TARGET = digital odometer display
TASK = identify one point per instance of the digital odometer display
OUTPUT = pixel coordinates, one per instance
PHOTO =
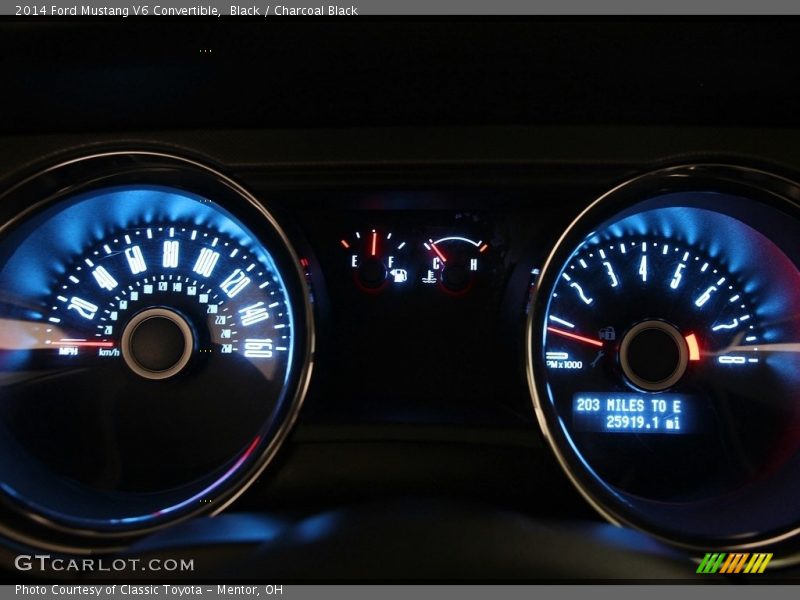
(621, 413)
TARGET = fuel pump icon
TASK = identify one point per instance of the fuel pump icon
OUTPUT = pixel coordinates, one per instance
(399, 275)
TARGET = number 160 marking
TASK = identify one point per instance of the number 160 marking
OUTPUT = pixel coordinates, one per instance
(258, 348)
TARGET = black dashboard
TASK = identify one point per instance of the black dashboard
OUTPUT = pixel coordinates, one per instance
(401, 300)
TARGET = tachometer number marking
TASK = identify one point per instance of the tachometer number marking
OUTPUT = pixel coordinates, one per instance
(677, 276)
(577, 288)
(581, 294)
(611, 274)
(732, 325)
(705, 296)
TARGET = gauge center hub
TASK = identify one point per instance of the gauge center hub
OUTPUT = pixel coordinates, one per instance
(653, 355)
(157, 343)
(455, 277)
(372, 273)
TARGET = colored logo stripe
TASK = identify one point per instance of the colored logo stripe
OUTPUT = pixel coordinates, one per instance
(711, 563)
(734, 563)
(758, 563)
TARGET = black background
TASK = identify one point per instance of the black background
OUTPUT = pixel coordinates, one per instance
(527, 120)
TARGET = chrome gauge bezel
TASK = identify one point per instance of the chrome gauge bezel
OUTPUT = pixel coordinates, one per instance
(759, 186)
(46, 188)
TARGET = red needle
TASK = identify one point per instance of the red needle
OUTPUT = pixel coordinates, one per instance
(694, 347)
(374, 243)
(574, 336)
(438, 252)
(84, 344)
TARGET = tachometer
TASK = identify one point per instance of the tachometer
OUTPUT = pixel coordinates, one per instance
(650, 315)
(155, 347)
(664, 355)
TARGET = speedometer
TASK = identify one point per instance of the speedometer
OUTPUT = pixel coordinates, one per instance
(155, 296)
(155, 348)
(664, 354)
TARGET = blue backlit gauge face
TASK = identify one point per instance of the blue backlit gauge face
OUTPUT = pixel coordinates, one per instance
(204, 291)
(654, 345)
(668, 367)
(650, 315)
(151, 349)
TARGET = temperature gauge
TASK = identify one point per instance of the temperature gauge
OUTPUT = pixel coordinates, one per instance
(454, 262)
(376, 259)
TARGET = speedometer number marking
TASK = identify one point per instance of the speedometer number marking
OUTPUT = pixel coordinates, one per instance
(104, 279)
(255, 313)
(235, 283)
(85, 309)
(258, 348)
(170, 254)
(135, 259)
(206, 262)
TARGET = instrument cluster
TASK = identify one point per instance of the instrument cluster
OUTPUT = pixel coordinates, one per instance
(164, 327)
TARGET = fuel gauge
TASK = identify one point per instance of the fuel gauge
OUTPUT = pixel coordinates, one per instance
(376, 259)
(454, 262)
